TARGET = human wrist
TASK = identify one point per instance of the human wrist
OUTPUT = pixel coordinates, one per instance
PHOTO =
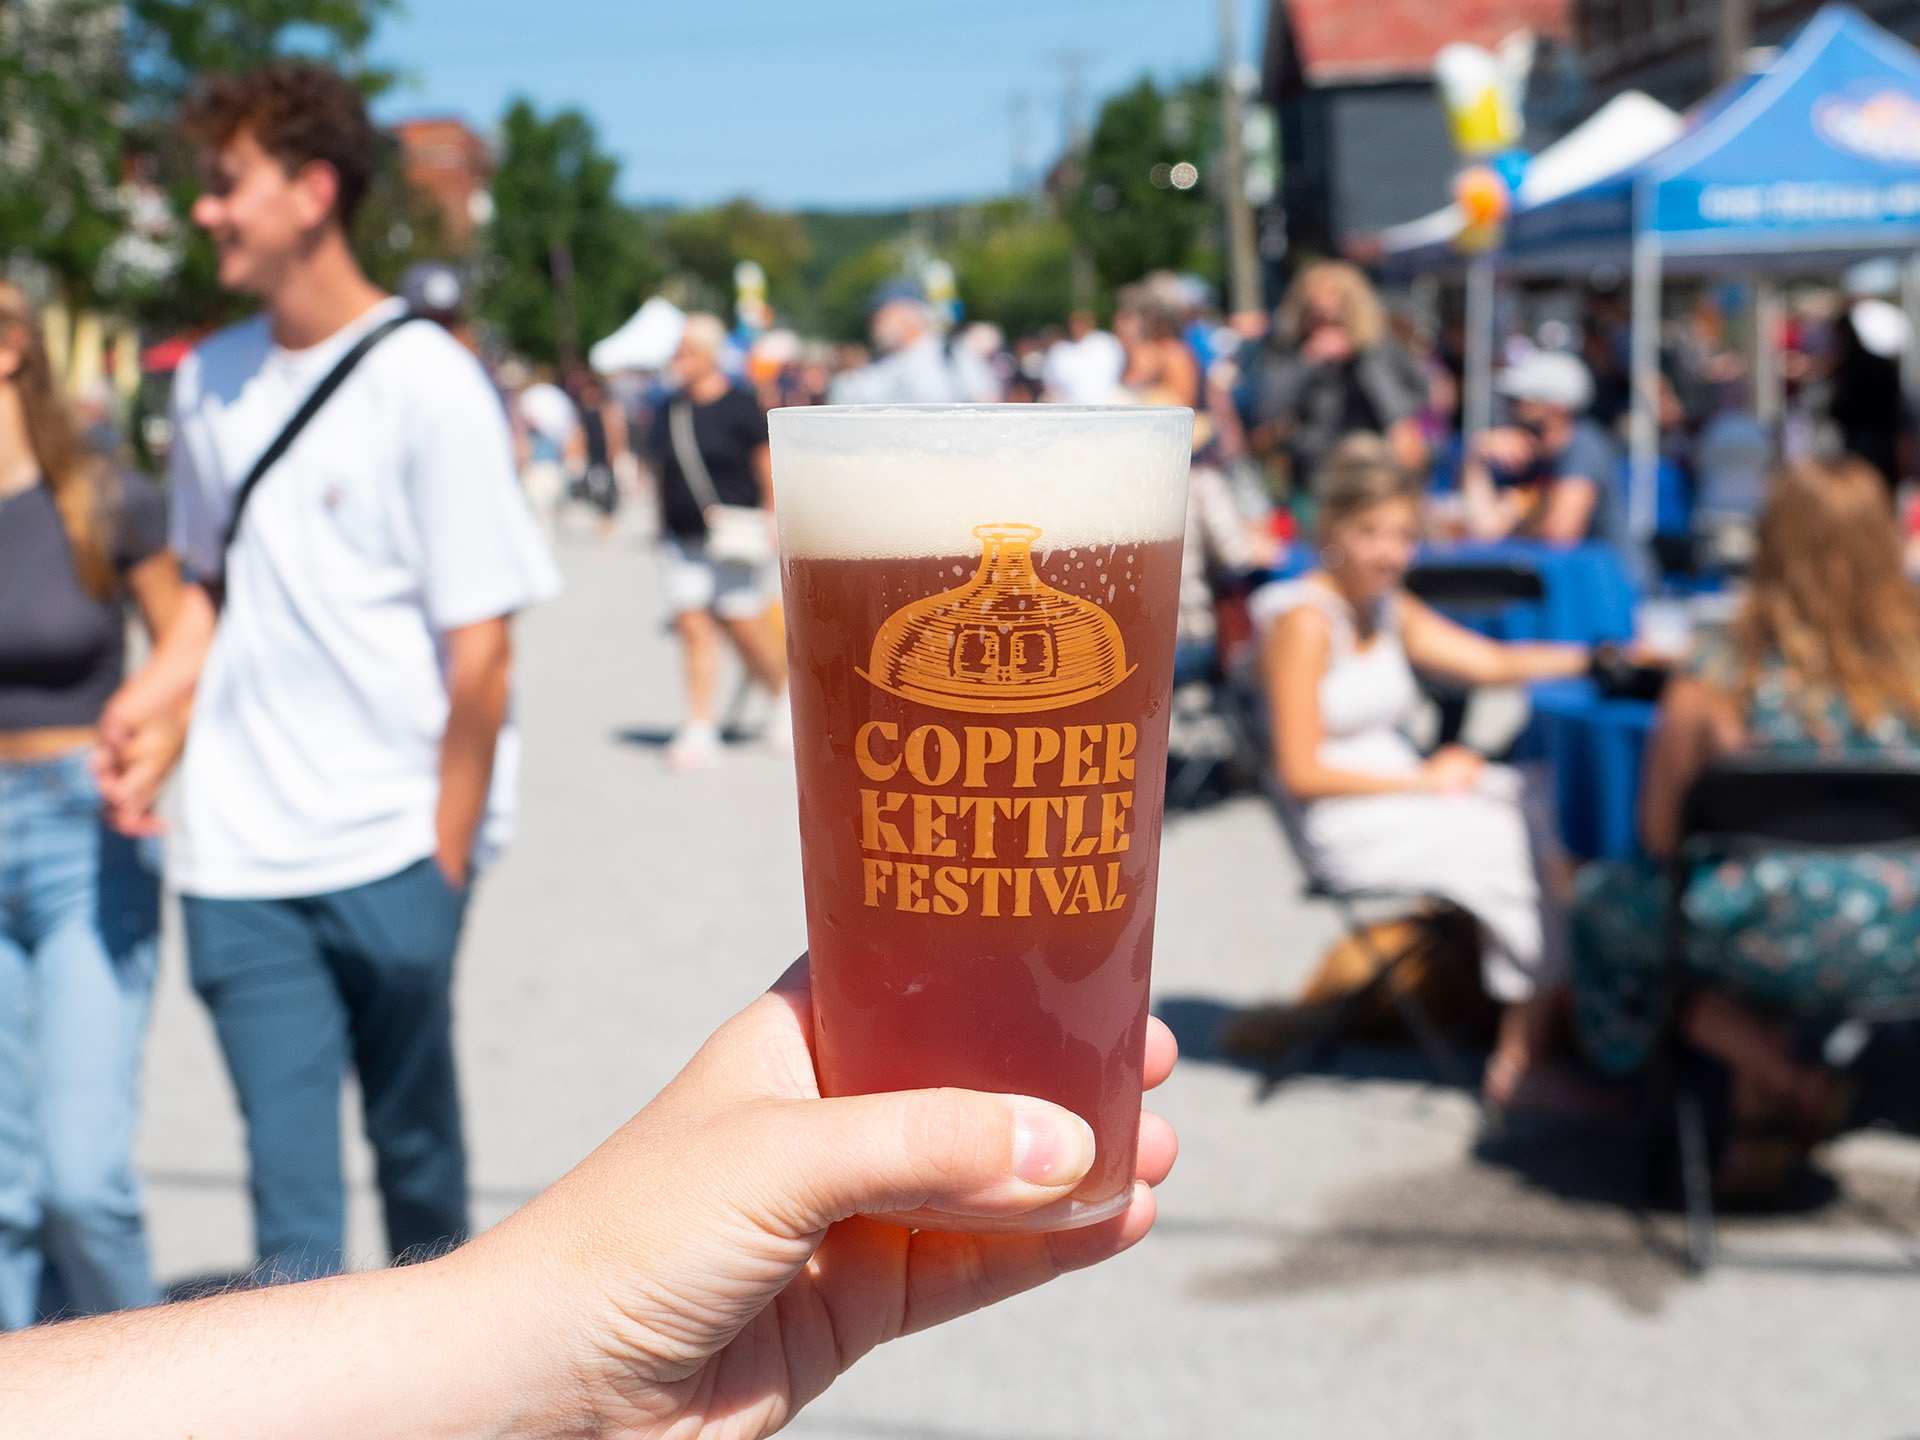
(517, 1330)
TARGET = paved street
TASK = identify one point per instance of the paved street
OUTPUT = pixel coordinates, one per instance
(1332, 1260)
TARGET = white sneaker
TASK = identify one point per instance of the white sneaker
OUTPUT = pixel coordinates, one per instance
(777, 733)
(695, 746)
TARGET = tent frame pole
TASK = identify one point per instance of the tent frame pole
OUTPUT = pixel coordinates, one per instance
(1767, 385)
(1643, 509)
(1910, 302)
(1479, 397)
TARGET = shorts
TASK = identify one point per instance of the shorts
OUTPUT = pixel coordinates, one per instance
(693, 580)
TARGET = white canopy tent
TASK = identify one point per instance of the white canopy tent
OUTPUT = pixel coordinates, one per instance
(646, 342)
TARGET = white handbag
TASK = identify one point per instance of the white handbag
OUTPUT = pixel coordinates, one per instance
(742, 534)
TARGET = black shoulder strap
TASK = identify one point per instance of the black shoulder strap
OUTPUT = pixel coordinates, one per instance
(309, 408)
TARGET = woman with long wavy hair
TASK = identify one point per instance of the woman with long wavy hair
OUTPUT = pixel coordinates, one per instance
(1822, 659)
(1333, 369)
(79, 902)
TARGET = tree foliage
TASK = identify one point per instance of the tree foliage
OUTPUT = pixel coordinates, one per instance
(173, 42)
(841, 301)
(1125, 210)
(1017, 271)
(569, 263)
(701, 247)
(62, 86)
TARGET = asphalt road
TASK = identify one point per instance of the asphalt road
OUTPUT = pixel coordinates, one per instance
(1335, 1258)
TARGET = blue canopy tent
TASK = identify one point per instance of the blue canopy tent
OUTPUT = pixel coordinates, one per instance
(1628, 128)
(1810, 164)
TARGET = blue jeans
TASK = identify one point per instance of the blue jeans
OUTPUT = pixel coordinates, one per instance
(79, 916)
(299, 991)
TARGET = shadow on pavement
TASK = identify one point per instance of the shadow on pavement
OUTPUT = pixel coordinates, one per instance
(1558, 1208)
(1555, 1196)
(656, 739)
(829, 1427)
(1198, 1022)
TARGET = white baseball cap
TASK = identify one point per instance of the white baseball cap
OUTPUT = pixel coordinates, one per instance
(1548, 377)
(1883, 328)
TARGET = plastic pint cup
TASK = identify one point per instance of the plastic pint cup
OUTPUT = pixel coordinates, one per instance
(980, 606)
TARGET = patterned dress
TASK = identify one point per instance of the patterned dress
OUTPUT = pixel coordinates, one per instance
(1797, 935)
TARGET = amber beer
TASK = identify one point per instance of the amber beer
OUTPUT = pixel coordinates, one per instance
(980, 608)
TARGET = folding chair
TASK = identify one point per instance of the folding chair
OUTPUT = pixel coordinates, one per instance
(1346, 901)
(1748, 806)
(1188, 773)
(1469, 592)
(1225, 707)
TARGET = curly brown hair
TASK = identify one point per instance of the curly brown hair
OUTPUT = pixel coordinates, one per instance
(299, 112)
(1827, 598)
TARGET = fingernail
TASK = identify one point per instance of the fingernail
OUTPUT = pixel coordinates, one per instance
(1051, 1146)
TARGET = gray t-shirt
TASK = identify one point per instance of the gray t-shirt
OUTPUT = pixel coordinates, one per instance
(62, 648)
(1590, 454)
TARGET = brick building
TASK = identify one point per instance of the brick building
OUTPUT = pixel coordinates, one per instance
(445, 158)
(1364, 139)
(1668, 47)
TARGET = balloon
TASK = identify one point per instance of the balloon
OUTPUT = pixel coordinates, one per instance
(1512, 167)
(1481, 92)
(1482, 196)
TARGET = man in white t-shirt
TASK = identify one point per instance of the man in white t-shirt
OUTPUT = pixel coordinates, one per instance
(350, 759)
(1085, 368)
(555, 446)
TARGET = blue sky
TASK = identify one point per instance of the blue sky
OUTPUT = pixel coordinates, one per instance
(837, 103)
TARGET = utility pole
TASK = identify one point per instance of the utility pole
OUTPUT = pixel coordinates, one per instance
(1243, 260)
(1733, 37)
(1072, 65)
(1019, 105)
(1073, 127)
(566, 320)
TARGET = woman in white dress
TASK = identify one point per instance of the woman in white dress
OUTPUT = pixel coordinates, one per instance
(1341, 647)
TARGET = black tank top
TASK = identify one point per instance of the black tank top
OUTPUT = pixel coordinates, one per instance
(594, 424)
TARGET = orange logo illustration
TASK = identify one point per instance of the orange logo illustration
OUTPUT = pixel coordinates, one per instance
(1004, 643)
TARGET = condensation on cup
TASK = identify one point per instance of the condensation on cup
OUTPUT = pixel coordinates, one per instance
(980, 610)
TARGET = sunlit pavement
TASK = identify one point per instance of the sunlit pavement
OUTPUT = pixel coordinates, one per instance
(1331, 1259)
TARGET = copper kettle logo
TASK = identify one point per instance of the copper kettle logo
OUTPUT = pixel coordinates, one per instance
(1005, 642)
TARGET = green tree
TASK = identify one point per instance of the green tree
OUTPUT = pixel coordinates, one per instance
(569, 262)
(398, 224)
(173, 42)
(62, 90)
(841, 301)
(1017, 271)
(1125, 210)
(702, 247)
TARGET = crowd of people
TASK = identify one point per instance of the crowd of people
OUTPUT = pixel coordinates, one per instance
(329, 585)
(1274, 395)
(355, 511)
(1332, 431)
(1819, 660)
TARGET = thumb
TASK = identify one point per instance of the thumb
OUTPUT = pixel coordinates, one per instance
(964, 1152)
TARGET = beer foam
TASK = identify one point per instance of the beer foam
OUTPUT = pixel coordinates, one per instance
(899, 481)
